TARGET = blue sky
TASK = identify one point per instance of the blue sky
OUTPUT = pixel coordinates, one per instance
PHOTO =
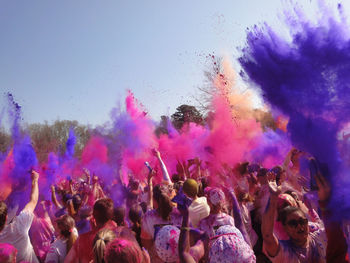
(76, 59)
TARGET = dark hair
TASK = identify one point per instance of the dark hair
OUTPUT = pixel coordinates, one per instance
(66, 196)
(119, 215)
(242, 168)
(175, 178)
(286, 211)
(7, 253)
(77, 202)
(262, 172)
(103, 210)
(178, 185)
(3, 214)
(164, 204)
(135, 214)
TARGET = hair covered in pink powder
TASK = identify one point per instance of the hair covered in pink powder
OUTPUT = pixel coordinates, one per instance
(7, 253)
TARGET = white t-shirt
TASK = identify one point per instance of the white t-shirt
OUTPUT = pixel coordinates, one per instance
(16, 234)
(57, 252)
(198, 210)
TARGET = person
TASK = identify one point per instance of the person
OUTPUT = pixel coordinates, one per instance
(16, 232)
(217, 217)
(67, 236)
(229, 246)
(82, 251)
(7, 253)
(83, 224)
(125, 251)
(119, 215)
(302, 245)
(163, 214)
(101, 240)
(199, 207)
(135, 216)
(42, 231)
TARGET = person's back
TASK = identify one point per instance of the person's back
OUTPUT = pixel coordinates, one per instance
(199, 208)
(84, 243)
(41, 232)
(16, 232)
(82, 250)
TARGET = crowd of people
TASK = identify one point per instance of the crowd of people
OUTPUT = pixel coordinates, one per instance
(252, 214)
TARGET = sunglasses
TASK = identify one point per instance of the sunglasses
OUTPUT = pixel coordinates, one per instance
(294, 223)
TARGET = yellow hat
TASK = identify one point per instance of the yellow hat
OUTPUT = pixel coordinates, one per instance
(190, 187)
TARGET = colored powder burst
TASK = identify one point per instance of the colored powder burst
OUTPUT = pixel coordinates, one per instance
(234, 131)
(272, 149)
(135, 131)
(70, 144)
(14, 113)
(307, 78)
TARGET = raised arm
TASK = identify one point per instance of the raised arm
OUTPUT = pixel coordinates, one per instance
(271, 242)
(189, 254)
(53, 197)
(34, 195)
(166, 176)
(237, 215)
(150, 189)
(184, 239)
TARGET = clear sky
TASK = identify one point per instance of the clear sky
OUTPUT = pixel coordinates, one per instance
(76, 59)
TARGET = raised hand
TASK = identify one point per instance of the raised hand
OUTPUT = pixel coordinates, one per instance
(156, 153)
(274, 189)
(34, 175)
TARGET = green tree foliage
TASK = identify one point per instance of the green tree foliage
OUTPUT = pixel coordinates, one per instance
(185, 114)
(48, 138)
(5, 141)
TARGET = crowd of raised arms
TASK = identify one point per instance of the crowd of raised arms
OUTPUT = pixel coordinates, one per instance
(269, 215)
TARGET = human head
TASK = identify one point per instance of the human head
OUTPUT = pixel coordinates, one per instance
(65, 197)
(119, 215)
(242, 168)
(162, 199)
(102, 238)
(280, 174)
(7, 253)
(135, 214)
(103, 210)
(85, 212)
(295, 224)
(190, 188)
(124, 251)
(76, 202)
(216, 200)
(3, 215)
(261, 176)
(65, 225)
